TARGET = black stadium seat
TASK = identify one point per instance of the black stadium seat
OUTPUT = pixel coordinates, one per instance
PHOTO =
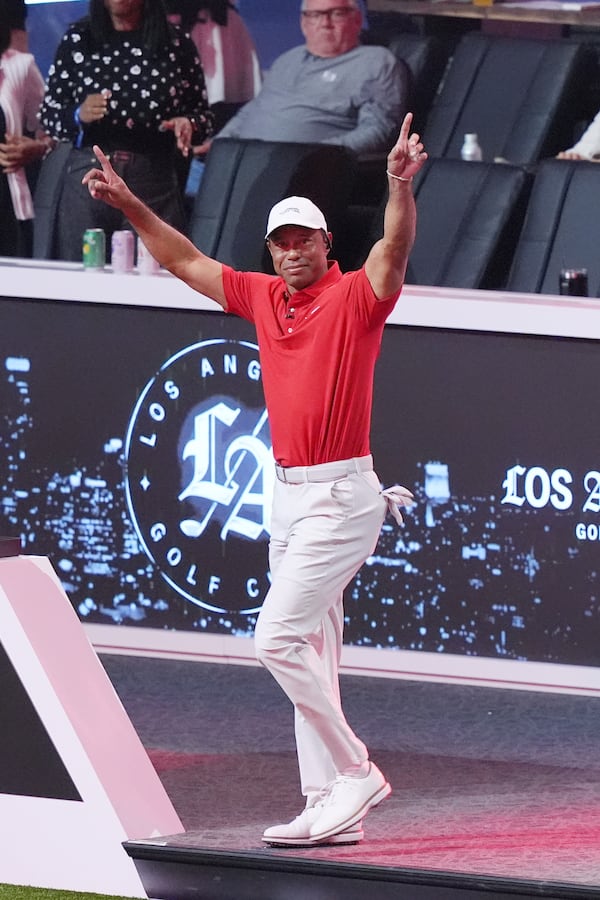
(46, 198)
(426, 57)
(244, 179)
(521, 96)
(469, 216)
(561, 228)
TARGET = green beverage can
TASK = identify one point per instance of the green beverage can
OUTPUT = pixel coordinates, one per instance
(94, 248)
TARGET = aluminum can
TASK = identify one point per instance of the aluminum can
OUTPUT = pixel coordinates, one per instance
(121, 251)
(574, 282)
(146, 264)
(94, 248)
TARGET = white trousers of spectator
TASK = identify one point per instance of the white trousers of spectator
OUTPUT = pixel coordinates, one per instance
(321, 534)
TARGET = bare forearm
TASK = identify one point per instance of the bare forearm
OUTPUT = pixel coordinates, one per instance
(386, 264)
(400, 218)
(172, 249)
(175, 252)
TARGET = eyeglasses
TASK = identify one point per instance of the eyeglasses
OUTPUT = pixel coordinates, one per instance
(337, 13)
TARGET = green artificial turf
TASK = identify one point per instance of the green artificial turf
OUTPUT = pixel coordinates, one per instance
(19, 892)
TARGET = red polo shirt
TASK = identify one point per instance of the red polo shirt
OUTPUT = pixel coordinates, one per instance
(317, 367)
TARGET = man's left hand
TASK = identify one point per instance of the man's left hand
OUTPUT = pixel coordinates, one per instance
(407, 155)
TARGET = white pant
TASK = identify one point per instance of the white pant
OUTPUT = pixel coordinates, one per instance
(321, 533)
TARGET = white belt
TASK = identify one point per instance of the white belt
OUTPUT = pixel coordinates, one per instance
(325, 471)
(395, 496)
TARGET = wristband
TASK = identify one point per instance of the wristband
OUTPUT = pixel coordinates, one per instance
(398, 177)
(79, 123)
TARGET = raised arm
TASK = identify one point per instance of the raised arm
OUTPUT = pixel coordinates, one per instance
(171, 248)
(386, 264)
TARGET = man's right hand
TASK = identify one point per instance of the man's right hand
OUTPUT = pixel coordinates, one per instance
(173, 250)
(104, 184)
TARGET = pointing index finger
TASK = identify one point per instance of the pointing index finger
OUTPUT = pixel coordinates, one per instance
(404, 130)
(102, 159)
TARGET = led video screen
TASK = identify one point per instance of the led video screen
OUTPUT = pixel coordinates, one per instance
(135, 454)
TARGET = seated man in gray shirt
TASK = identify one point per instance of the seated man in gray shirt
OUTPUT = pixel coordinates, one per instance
(331, 90)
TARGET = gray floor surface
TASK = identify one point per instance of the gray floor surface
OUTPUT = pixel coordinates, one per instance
(485, 780)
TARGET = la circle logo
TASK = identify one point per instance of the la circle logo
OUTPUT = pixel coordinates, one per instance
(199, 475)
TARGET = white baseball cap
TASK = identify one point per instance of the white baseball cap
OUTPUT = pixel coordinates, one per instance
(295, 211)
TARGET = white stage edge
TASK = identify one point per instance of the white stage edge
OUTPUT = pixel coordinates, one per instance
(375, 662)
(73, 844)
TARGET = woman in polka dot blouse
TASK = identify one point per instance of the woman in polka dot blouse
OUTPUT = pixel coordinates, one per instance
(128, 80)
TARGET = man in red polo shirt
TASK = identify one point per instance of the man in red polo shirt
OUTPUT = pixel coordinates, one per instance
(319, 333)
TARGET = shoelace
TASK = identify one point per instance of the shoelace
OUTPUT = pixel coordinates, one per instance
(332, 786)
(321, 797)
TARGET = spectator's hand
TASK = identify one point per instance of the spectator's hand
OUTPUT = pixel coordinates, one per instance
(182, 129)
(105, 184)
(94, 107)
(17, 152)
(407, 155)
(202, 149)
(569, 154)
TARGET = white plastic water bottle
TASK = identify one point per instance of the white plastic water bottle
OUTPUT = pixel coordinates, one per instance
(470, 149)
